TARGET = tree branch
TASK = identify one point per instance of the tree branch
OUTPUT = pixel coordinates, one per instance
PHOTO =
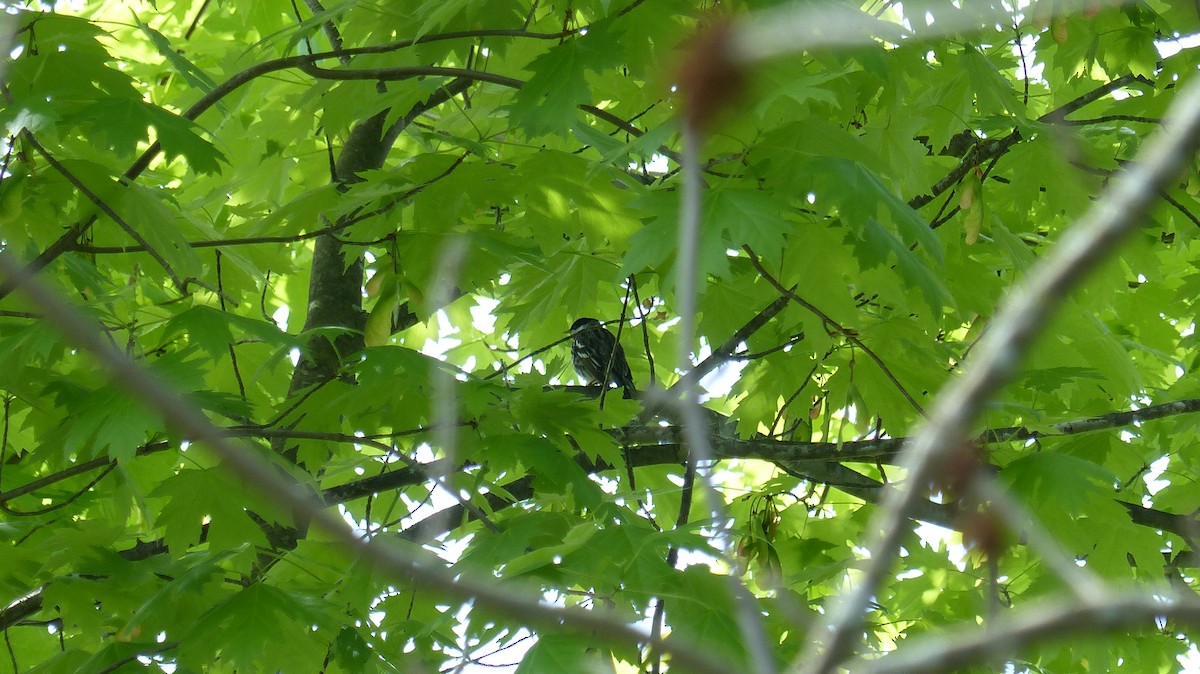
(1039, 622)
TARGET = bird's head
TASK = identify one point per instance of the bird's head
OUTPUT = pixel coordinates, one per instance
(583, 325)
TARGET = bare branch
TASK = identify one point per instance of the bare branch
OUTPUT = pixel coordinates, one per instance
(1043, 621)
(748, 616)
(726, 350)
(979, 153)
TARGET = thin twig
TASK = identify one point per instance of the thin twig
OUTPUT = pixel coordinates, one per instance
(1104, 119)
(8, 398)
(505, 367)
(237, 372)
(726, 350)
(65, 502)
(103, 206)
(850, 335)
(645, 328)
(351, 219)
(612, 355)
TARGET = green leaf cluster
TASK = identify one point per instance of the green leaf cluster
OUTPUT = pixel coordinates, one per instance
(356, 239)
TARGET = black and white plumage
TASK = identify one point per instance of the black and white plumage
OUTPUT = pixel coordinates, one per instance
(592, 348)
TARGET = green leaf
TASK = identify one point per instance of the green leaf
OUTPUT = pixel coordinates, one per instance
(879, 246)
(190, 72)
(993, 90)
(351, 650)
(516, 536)
(159, 224)
(176, 604)
(1064, 482)
(750, 217)
(654, 245)
(705, 615)
(862, 197)
(122, 123)
(105, 421)
(575, 538)
(230, 632)
(179, 138)
(547, 101)
(566, 653)
(194, 497)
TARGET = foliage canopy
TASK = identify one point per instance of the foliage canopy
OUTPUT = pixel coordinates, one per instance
(355, 235)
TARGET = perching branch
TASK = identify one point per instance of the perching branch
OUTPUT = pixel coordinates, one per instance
(654, 445)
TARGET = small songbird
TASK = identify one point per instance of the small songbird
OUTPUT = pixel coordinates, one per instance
(592, 349)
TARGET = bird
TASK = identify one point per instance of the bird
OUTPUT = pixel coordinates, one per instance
(594, 351)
